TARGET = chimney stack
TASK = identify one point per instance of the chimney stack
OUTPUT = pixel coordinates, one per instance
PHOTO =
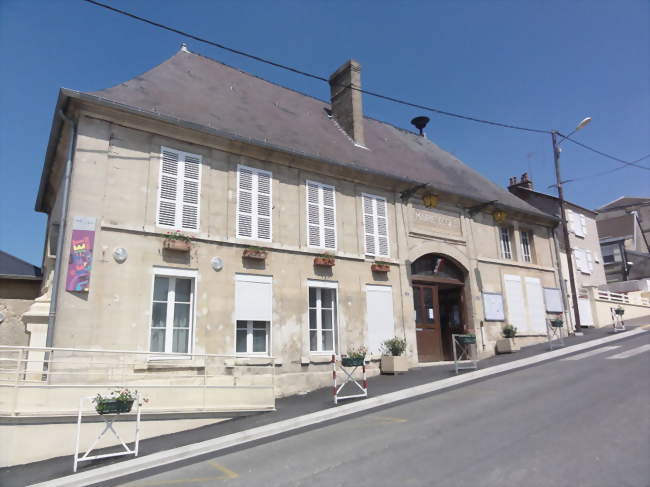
(346, 103)
(525, 182)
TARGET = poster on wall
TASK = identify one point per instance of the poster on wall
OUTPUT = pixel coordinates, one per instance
(493, 306)
(81, 254)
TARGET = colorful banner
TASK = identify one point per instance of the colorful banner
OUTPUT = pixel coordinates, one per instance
(81, 254)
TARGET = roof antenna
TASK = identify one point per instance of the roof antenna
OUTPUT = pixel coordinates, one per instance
(420, 123)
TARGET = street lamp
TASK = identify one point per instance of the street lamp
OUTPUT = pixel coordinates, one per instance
(565, 229)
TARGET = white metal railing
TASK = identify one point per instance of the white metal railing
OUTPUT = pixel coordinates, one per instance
(622, 298)
(46, 381)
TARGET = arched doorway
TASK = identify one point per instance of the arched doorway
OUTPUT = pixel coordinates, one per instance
(439, 300)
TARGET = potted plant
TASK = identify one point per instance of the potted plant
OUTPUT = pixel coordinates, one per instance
(380, 266)
(557, 323)
(619, 310)
(325, 260)
(393, 360)
(507, 344)
(116, 402)
(256, 253)
(355, 357)
(177, 241)
(466, 339)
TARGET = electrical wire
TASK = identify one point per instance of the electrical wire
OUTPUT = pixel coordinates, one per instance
(367, 92)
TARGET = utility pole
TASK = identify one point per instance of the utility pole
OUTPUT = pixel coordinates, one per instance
(565, 231)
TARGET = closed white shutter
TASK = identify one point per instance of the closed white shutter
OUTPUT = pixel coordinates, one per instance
(375, 225)
(536, 308)
(583, 225)
(254, 203)
(571, 221)
(589, 262)
(584, 308)
(253, 297)
(379, 316)
(321, 215)
(515, 302)
(180, 190)
(581, 260)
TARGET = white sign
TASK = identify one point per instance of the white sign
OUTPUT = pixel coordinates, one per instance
(493, 307)
(553, 300)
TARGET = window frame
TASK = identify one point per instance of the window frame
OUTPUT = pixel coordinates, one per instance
(505, 246)
(173, 273)
(527, 248)
(250, 326)
(319, 285)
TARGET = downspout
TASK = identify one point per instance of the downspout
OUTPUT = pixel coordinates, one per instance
(558, 260)
(72, 142)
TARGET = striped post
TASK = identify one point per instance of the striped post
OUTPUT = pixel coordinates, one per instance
(365, 379)
(334, 377)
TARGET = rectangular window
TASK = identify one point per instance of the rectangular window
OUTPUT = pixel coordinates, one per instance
(172, 314)
(254, 203)
(611, 253)
(526, 250)
(322, 319)
(253, 337)
(504, 233)
(321, 215)
(253, 311)
(179, 190)
(375, 225)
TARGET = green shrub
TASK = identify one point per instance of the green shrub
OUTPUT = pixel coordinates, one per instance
(509, 331)
(395, 346)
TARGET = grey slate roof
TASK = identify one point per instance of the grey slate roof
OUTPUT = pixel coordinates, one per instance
(616, 227)
(623, 202)
(14, 267)
(198, 90)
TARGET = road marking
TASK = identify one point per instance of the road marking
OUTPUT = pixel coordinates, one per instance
(386, 419)
(591, 353)
(229, 473)
(631, 353)
(220, 443)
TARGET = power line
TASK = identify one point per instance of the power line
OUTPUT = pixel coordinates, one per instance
(366, 92)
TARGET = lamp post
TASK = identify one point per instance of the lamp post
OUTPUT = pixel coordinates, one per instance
(565, 229)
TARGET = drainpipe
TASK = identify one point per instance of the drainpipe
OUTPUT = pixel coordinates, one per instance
(72, 142)
(558, 260)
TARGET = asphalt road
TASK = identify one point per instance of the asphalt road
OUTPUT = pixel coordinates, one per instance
(577, 421)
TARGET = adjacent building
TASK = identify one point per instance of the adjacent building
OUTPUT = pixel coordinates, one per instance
(213, 212)
(588, 268)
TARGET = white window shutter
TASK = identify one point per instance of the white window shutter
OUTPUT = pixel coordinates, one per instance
(244, 202)
(375, 224)
(180, 190)
(264, 206)
(313, 215)
(191, 192)
(571, 221)
(329, 216)
(590, 261)
(369, 224)
(583, 225)
(382, 226)
(254, 203)
(168, 191)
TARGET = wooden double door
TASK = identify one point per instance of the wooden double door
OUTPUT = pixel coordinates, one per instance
(428, 332)
(439, 312)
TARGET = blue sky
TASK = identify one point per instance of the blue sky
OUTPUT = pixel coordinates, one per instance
(545, 64)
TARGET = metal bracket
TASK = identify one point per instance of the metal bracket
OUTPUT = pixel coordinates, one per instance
(407, 193)
(472, 210)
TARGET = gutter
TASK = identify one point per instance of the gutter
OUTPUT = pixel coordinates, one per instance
(56, 278)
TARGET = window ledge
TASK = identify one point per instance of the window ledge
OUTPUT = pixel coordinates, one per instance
(164, 363)
(515, 263)
(251, 361)
(316, 359)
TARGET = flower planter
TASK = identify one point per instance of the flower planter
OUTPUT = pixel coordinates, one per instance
(392, 364)
(557, 323)
(113, 406)
(352, 361)
(466, 339)
(507, 345)
(255, 254)
(176, 244)
(380, 267)
(324, 261)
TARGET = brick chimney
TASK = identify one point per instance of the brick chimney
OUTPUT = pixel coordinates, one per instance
(347, 108)
(524, 183)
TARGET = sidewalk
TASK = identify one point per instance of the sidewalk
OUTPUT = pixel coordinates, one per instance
(287, 408)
